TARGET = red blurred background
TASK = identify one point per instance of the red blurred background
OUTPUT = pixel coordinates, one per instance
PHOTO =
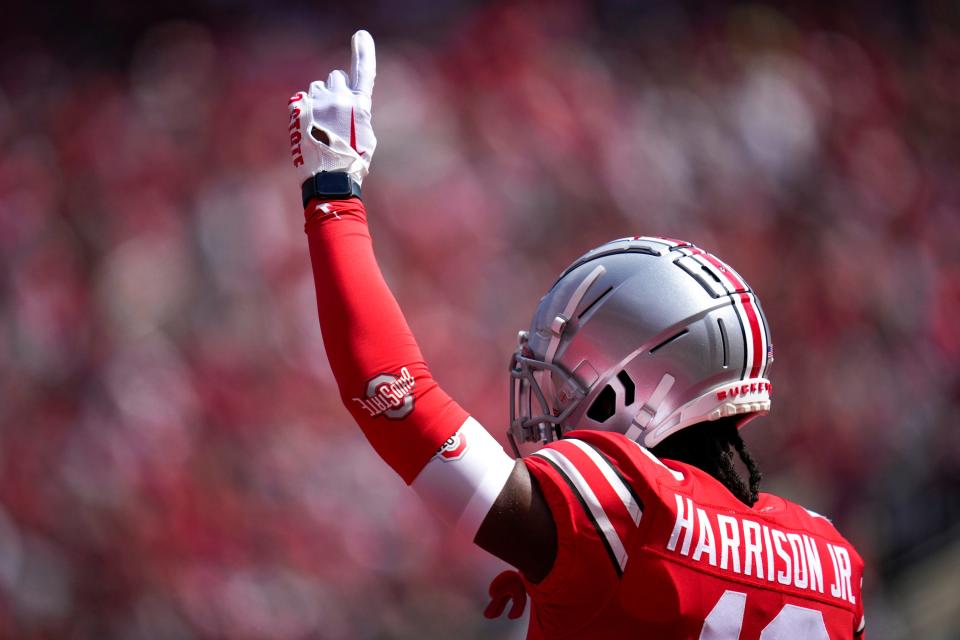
(174, 462)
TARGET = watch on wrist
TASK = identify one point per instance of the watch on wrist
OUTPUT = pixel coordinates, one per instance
(330, 185)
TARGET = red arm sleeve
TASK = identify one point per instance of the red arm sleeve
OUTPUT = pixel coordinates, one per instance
(383, 379)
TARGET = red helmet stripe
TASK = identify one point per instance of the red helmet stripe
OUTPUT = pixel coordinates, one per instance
(726, 272)
(745, 308)
(756, 333)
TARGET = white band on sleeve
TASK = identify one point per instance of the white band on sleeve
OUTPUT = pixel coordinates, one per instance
(464, 478)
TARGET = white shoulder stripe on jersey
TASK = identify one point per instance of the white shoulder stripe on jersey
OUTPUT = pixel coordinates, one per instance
(616, 482)
(817, 515)
(676, 474)
(579, 483)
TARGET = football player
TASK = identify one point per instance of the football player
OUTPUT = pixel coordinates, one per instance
(644, 359)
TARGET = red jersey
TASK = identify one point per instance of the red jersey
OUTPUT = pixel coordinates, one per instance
(660, 549)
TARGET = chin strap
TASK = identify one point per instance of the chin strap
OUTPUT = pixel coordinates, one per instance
(506, 587)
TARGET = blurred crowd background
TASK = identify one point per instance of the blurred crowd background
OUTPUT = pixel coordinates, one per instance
(174, 462)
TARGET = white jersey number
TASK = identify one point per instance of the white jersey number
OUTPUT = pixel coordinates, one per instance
(792, 623)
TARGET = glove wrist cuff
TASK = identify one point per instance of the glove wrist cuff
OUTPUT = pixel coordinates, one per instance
(330, 185)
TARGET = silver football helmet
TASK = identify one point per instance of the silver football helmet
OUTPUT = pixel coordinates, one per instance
(642, 336)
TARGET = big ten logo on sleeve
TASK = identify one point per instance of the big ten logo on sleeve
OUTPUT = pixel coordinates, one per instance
(389, 395)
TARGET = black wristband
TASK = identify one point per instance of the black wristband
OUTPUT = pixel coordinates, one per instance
(330, 185)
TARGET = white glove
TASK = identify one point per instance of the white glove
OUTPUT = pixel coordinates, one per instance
(330, 126)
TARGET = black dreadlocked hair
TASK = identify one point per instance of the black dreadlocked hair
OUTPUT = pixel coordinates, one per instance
(709, 446)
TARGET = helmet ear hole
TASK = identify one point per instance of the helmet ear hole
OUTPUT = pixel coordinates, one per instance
(629, 390)
(604, 406)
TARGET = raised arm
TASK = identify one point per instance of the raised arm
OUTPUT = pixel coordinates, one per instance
(426, 437)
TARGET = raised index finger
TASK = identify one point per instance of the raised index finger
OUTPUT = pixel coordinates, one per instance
(363, 63)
